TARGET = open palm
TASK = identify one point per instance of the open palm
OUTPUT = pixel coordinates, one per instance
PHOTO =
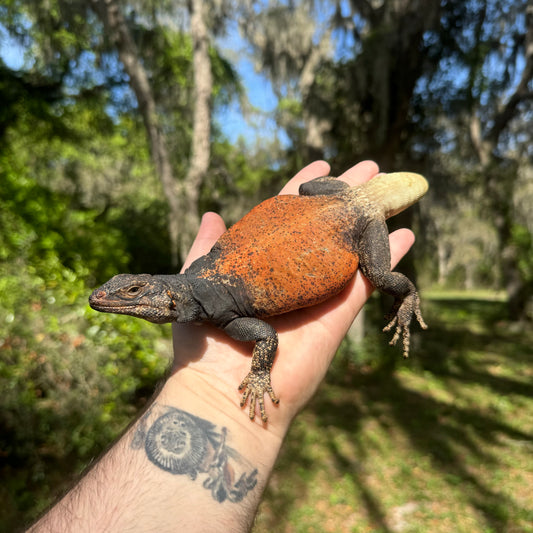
(308, 338)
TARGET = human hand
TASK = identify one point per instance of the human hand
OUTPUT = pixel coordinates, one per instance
(308, 338)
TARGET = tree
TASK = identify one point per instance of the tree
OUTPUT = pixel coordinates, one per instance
(201, 130)
(290, 45)
(357, 102)
(487, 125)
(479, 111)
(67, 40)
(425, 85)
(118, 32)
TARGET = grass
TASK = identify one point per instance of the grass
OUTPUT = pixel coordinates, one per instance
(442, 442)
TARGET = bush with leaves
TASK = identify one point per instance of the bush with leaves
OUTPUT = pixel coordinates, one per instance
(71, 378)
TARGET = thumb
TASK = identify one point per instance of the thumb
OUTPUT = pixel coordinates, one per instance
(211, 228)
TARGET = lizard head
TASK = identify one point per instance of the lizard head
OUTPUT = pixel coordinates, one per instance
(154, 298)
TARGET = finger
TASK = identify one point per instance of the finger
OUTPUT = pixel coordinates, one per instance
(314, 170)
(211, 228)
(363, 171)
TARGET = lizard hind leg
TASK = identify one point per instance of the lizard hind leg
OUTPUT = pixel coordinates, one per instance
(257, 382)
(374, 254)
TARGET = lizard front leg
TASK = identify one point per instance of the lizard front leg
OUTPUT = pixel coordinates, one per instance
(325, 185)
(257, 382)
(374, 261)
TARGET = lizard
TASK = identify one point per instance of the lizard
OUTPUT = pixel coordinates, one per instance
(287, 253)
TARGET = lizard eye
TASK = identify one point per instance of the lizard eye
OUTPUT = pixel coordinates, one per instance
(132, 291)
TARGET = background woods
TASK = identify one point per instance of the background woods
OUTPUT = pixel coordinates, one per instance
(121, 122)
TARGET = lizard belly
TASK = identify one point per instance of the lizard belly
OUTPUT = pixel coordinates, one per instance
(287, 253)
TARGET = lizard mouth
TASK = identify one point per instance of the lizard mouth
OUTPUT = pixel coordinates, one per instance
(108, 308)
(146, 311)
(116, 308)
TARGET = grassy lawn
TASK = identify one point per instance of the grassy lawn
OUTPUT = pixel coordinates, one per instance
(442, 442)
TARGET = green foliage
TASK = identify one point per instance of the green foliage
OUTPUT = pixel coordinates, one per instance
(70, 378)
(239, 181)
(79, 202)
(56, 31)
(40, 226)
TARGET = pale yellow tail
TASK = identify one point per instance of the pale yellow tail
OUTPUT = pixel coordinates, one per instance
(396, 191)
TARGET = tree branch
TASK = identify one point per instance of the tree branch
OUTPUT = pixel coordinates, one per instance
(522, 91)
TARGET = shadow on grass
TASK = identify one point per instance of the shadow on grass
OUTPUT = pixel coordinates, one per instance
(447, 433)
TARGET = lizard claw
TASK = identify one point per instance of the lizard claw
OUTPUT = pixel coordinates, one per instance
(402, 313)
(255, 384)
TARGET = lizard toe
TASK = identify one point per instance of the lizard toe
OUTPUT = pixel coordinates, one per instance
(400, 320)
(255, 385)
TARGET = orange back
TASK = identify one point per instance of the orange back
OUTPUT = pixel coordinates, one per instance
(289, 251)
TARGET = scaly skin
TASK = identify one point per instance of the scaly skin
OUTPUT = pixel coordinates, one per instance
(287, 253)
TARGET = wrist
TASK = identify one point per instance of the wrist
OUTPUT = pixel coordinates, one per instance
(196, 434)
(216, 400)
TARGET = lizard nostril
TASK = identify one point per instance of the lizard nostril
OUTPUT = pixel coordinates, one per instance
(97, 295)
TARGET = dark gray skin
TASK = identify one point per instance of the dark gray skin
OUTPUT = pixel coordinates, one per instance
(218, 288)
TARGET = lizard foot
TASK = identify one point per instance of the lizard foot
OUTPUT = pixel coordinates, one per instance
(400, 319)
(255, 384)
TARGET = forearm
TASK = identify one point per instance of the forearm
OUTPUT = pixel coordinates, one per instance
(192, 462)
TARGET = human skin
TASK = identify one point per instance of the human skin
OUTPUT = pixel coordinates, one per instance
(130, 490)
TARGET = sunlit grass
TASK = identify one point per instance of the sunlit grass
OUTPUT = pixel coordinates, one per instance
(442, 442)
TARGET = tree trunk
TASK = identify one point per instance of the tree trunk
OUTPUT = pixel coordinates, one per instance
(500, 182)
(390, 65)
(316, 121)
(442, 262)
(109, 12)
(201, 131)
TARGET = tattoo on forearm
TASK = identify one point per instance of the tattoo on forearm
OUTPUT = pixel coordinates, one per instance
(181, 443)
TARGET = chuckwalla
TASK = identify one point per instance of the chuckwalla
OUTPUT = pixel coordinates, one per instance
(289, 252)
